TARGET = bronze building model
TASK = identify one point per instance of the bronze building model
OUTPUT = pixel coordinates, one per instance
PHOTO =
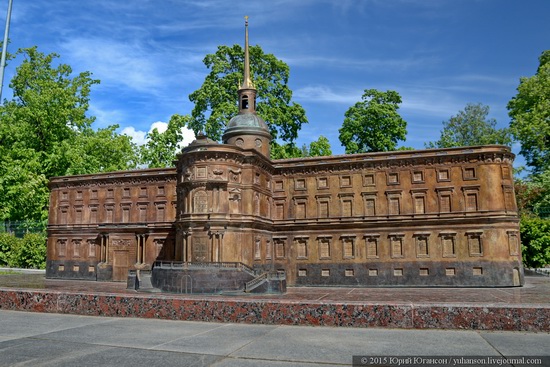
(438, 217)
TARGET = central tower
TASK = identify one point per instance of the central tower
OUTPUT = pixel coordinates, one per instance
(248, 130)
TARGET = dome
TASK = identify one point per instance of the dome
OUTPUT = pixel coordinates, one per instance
(247, 121)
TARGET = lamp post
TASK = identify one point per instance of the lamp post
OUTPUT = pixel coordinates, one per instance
(4, 49)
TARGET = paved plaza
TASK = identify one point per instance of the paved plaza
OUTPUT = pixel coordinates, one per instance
(39, 339)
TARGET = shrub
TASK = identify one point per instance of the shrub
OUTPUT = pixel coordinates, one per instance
(535, 241)
(27, 252)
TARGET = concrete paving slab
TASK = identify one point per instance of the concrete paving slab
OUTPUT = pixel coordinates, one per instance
(220, 341)
(240, 362)
(337, 345)
(17, 324)
(519, 343)
(134, 333)
(49, 353)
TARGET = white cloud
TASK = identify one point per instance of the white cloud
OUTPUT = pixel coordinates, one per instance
(137, 136)
(140, 137)
(321, 93)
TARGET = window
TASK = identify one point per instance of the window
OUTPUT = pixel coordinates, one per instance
(301, 247)
(345, 181)
(475, 247)
(444, 195)
(76, 247)
(279, 185)
(279, 210)
(421, 244)
(323, 206)
(125, 213)
(396, 244)
(448, 244)
(469, 173)
(279, 247)
(513, 242)
(160, 211)
(348, 247)
(257, 249)
(394, 206)
(322, 183)
(371, 241)
(443, 174)
(418, 176)
(394, 202)
(300, 184)
(419, 200)
(393, 178)
(346, 205)
(324, 247)
(126, 192)
(369, 200)
(368, 179)
(300, 204)
(471, 198)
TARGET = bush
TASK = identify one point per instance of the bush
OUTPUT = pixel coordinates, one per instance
(535, 241)
(8, 246)
(28, 252)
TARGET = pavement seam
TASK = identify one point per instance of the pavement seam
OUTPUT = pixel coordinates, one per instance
(186, 337)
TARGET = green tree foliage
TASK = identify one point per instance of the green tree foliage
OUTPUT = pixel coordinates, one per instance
(373, 124)
(28, 252)
(216, 100)
(530, 113)
(535, 241)
(320, 147)
(161, 148)
(471, 127)
(45, 132)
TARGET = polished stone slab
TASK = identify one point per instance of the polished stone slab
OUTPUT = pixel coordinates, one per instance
(523, 308)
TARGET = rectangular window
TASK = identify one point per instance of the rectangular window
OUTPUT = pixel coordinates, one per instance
(349, 273)
(471, 202)
(125, 214)
(324, 248)
(474, 244)
(300, 184)
(347, 208)
(79, 195)
(370, 207)
(448, 242)
(368, 179)
(322, 183)
(443, 175)
(143, 213)
(393, 178)
(419, 205)
(279, 186)
(78, 215)
(418, 176)
(76, 248)
(301, 244)
(93, 214)
(445, 203)
(279, 211)
(469, 173)
(160, 213)
(279, 248)
(372, 247)
(345, 181)
(394, 206)
(126, 192)
(348, 245)
(422, 246)
(300, 210)
(323, 209)
(396, 243)
(325, 272)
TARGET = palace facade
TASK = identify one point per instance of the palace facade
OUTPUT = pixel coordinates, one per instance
(437, 218)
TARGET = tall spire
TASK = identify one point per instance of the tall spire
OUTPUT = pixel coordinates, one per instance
(247, 82)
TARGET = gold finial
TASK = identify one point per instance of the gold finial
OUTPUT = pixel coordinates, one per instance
(247, 81)
(246, 20)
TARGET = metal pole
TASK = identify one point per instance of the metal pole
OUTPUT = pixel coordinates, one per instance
(5, 49)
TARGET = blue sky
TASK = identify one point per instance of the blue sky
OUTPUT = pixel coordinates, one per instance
(438, 54)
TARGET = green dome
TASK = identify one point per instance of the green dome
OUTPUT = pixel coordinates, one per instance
(246, 121)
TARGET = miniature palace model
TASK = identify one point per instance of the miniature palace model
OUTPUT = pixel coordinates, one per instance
(227, 217)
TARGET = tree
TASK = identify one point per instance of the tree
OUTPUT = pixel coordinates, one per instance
(45, 131)
(320, 147)
(373, 124)
(530, 114)
(216, 100)
(471, 127)
(161, 148)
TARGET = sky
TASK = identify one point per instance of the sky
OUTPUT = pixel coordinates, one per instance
(438, 55)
